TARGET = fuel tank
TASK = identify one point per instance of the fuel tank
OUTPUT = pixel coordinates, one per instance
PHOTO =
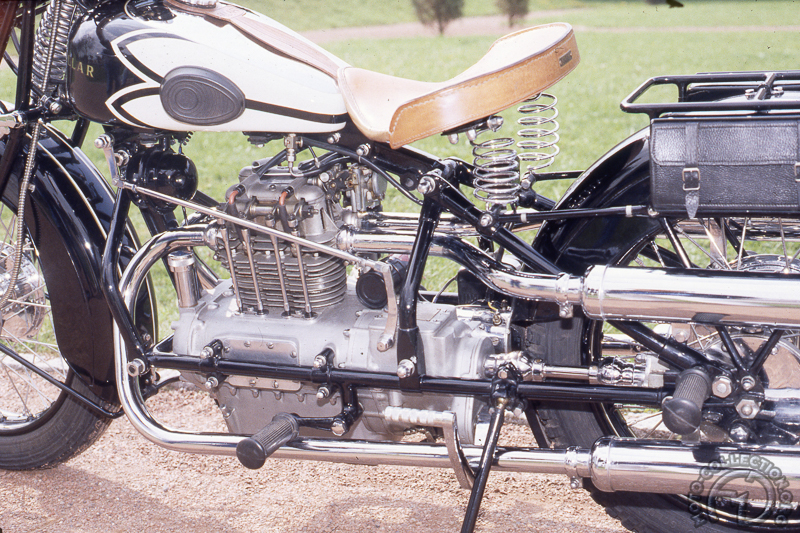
(146, 65)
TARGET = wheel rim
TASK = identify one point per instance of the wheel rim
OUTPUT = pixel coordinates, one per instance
(765, 245)
(26, 399)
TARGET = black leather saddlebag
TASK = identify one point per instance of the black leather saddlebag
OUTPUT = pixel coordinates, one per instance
(725, 166)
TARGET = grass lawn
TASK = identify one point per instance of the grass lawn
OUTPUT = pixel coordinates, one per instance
(621, 44)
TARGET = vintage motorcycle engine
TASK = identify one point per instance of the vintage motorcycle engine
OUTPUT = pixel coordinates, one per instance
(285, 305)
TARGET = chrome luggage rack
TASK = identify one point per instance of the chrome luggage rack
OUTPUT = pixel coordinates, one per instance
(717, 92)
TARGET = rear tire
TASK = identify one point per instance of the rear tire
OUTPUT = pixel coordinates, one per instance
(574, 245)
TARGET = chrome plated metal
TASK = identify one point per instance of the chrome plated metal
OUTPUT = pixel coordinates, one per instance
(302, 270)
(448, 423)
(181, 263)
(50, 47)
(11, 121)
(663, 295)
(249, 249)
(386, 340)
(496, 172)
(539, 134)
(252, 226)
(227, 244)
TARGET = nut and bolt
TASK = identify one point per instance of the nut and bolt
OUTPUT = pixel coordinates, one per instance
(56, 107)
(503, 373)
(453, 138)
(212, 383)
(405, 369)
(323, 392)
(486, 220)
(722, 386)
(426, 185)
(320, 362)
(575, 483)
(339, 427)
(363, 150)
(747, 408)
(748, 382)
(207, 353)
(739, 433)
(136, 368)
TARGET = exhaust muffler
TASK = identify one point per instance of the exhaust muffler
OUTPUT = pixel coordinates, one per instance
(713, 296)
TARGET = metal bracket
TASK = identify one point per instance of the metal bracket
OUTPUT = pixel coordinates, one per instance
(386, 340)
(106, 143)
(448, 423)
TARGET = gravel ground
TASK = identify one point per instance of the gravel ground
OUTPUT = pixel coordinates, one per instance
(124, 483)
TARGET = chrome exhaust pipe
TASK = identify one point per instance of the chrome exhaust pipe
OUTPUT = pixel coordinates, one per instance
(609, 293)
(719, 297)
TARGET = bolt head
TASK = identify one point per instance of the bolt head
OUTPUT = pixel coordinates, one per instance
(405, 369)
(502, 373)
(748, 382)
(207, 352)
(320, 361)
(323, 392)
(722, 386)
(212, 383)
(136, 368)
(339, 428)
(738, 433)
(575, 483)
(486, 220)
(747, 408)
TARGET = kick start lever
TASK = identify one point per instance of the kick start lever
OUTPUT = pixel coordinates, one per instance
(253, 451)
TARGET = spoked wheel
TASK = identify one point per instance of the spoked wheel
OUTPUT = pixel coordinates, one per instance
(40, 426)
(766, 244)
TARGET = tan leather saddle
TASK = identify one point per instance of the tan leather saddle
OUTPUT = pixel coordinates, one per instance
(399, 111)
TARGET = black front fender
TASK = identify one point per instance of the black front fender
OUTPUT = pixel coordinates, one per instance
(71, 206)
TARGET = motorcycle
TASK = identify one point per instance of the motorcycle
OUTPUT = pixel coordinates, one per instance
(648, 333)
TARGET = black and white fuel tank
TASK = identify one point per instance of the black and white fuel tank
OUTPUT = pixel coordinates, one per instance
(155, 66)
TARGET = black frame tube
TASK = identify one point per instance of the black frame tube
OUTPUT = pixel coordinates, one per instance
(434, 385)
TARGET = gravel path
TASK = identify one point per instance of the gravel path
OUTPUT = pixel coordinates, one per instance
(124, 484)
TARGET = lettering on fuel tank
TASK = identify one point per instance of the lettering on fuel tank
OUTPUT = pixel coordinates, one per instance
(87, 70)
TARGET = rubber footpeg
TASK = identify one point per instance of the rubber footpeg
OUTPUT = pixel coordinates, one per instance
(253, 451)
(683, 412)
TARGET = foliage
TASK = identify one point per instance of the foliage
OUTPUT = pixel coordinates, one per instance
(515, 10)
(439, 12)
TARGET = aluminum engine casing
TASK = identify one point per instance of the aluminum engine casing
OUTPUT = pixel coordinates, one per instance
(453, 348)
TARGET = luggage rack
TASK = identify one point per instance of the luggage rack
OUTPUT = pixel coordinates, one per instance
(717, 92)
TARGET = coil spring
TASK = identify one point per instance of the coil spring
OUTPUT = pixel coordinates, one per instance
(539, 134)
(498, 161)
(50, 28)
(496, 165)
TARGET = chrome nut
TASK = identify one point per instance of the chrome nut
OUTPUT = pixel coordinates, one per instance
(406, 369)
(722, 386)
(747, 408)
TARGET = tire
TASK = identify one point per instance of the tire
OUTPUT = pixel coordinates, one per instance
(575, 342)
(40, 426)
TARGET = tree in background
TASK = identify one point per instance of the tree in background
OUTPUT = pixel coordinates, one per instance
(439, 12)
(515, 10)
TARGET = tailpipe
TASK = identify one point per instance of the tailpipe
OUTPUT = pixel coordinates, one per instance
(671, 295)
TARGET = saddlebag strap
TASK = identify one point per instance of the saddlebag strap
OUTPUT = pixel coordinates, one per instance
(691, 173)
(268, 36)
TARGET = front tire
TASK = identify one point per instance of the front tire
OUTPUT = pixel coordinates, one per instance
(40, 426)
